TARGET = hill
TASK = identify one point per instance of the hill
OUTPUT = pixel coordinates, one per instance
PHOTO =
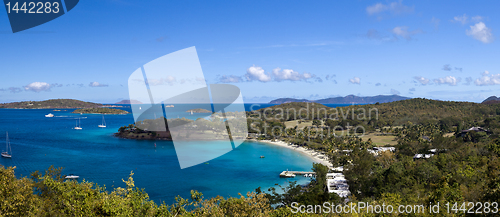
(287, 100)
(415, 110)
(126, 101)
(100, 111)
(50, 104)
(491, 100)
(346, 100)
(199, 110)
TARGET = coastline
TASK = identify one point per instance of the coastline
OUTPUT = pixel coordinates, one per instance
(314, 155)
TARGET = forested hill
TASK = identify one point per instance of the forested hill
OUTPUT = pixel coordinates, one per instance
(51, 103)
(415, 110)
(346, 100)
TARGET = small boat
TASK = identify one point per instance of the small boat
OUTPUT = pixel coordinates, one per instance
(191, 112)
(71, 176)
(305, 175)
(49, 115)
(77, 127)
(8, 151)
(103, 125)
(286, 174)
(262, 156)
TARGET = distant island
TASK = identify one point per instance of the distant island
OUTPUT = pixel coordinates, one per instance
(491, 100)
(199, 110)
(100, 111)
(51, 104)
(346, 100)
(126, 101)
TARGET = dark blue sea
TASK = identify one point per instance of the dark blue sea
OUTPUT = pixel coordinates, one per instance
(97, 156)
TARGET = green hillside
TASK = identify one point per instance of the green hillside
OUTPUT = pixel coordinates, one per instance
(49, 104)
(100, 111)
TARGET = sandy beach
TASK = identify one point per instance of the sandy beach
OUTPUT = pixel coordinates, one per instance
(314, 155)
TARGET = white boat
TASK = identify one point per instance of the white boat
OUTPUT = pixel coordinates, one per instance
(103, 125)
(191, 112)
(8, 151)
(49, 115)
(77, 127)
(71, 176)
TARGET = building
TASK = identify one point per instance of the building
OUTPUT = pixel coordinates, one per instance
(336, 183)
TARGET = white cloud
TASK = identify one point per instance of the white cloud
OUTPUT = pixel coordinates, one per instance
(355, 80)
(488, 79)
(422, 80)
(393, 7)
(257, 73)
(289, 74)
(15, 89)
(402, 31)
(151, 81)
(395, 92)
(468, 80)
(461, 19)
(450, 80)
(436, 22)
(447, 67)
(230, 79)
(376, 8)
(477, 18)
(480, 32)
(97, 84)
(37, 87)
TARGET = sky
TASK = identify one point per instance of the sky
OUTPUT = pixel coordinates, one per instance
(446, 50)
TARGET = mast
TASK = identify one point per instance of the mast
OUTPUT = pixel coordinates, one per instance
(7, 142)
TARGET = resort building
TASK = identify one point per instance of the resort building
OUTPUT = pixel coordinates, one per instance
(337, 183)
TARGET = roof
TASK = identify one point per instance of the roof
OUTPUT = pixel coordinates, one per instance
(418, 156)
(477, 129)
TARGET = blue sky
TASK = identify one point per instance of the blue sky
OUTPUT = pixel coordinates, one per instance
(445, 50)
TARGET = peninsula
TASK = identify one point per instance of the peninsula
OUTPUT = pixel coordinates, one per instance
(100, 111)
(50, 104)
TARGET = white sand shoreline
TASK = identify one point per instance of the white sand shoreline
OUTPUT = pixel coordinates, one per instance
(314, 155)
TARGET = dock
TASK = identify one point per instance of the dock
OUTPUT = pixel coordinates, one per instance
(290, 174)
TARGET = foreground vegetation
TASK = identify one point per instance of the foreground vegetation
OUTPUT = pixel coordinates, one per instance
(49, 194)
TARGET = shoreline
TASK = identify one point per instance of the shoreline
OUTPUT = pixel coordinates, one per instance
(314, 155)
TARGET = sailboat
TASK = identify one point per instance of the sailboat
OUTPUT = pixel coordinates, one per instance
(191, 112)
(77, 127)
(8, 150)
(103, 123)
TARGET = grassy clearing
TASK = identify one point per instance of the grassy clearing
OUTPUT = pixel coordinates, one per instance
(292, 124)
(380, 140)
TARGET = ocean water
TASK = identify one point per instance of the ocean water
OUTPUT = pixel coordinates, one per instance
(96, 155)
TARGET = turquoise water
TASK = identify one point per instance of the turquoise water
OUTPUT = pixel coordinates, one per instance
(97, 156)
